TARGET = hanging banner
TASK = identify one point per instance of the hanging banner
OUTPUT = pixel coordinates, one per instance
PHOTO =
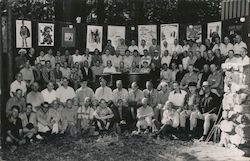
(68, 37)
(169, 32)
(194, 33)
(115, 34)
(147, 33)
(23, 34)
(46, 34)
(213, 30)
(94, 37)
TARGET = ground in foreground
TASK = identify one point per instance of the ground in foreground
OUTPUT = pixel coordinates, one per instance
(119, 148)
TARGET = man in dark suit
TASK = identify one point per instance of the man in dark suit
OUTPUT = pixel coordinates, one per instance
(86, 71)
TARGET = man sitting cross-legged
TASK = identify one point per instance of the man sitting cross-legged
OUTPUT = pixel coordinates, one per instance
(68, 119)
(209, 106)
(144, 115)
(29, 122)
(169, 122)
(103, 115)
(14, 129)
(191, 105)
(85, 117)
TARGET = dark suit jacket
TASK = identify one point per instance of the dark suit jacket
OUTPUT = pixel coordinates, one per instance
(88, 76)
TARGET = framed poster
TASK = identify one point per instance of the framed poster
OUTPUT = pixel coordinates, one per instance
(169, 32)
(115, 33)
(147, 33)
(68, 37)
(23, 34)
(46, 34)
(94, 37)
(194, 33)
(213, 30)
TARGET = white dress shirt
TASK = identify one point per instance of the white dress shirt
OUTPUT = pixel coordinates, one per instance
(48, 96)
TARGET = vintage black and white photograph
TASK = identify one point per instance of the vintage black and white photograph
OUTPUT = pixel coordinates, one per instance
(125, 80)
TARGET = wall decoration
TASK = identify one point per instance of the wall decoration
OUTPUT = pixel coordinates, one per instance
(147, 33)
(23, 34)
(94, 37)
(115, 33)
(68, 37)
(213, 30)
(45, 34)
(194, 33)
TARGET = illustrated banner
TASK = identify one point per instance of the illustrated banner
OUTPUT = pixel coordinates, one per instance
(94, 37)
(115, 34)
(68, 37)
(46, 34)
(169, 32)
(213, 30)
(194, 33)
(147, 33)
(23, 34)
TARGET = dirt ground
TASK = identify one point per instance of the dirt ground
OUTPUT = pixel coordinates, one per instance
(119, 148)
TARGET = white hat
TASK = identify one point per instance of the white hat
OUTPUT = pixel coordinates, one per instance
(22, 51)
(205, 83)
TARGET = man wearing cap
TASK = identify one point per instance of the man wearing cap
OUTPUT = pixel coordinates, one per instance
(191, 104)
(84, 91)
(104, 92)
(208, 110)
(21, 58)
(154, 47)
(239, 45)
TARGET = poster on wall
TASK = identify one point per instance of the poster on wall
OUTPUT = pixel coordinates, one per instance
(68, 37)
(4, 33)
(115, 33)
(194, 32)
(147, 33)
(45, 34)
(213, 30)
(94, 37)
(23, 34)
(169, 32)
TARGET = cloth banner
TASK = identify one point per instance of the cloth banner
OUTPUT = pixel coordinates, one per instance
(147, 33)
(194, 33)
(115, 33)
(94, 37)
(23, 34)
(213, 30)
(68, 37)
(46, 34)
(169, 32)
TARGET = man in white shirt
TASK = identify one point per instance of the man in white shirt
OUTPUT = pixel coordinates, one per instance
(87, 56)
(18, 84)
(49, 94)
(142, 47)
(228, 46)
(185, 46)
(120, 93)
(177, 96)
(245, 58)
(176, 47)
(77, 57)
(127, 59)
(166, 59)
(146, 57)
(84, 91)
(109, 69)
(65, 92)
(218, 45)
(238, 46)
(133, 46)
(106, 57)
(117, 58)
(104, 92)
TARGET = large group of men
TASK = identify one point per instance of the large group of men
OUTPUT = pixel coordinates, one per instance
(53, 93)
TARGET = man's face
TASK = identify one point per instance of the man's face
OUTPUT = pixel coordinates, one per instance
(238, 38)
(198, 54)
(230, 54)
(180, 67)
(15, 113)
(192, 89)
(48, 64)
(65, 65)
(217, 40)
(66, 52)
(87, 51)
(107, 52)
(50, 86)
(176, 86)
(45, 107)
(165, 53)
(35, 87)
(144, 102)
(212, 67)
(65, 83)
(226, 40)
(145, 52)
(84, 84)
(134, 86)
(19, 77)
(154, 41)
(109, 63)
(143, 42)
(86, 64)
(103, 83)
(50, 51)
(32, 51)
(55, 104)
(206, 68)
(133, 42)
(97, 63)
(19, 93)
(28, 109)
(210, 54)
(42, 53)
(58, 66)
(190, 68)
(109, 43)
(243, 53)
(206, 89)
(149, 85)
(119, 84)
(69, 103)
(77, 52)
